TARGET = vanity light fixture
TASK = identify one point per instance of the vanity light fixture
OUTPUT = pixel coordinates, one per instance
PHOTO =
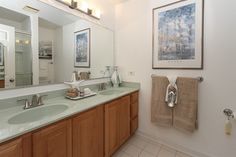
(73, 4)
(30, 9)
(83, 8)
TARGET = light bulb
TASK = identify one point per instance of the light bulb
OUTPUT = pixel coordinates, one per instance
(84, 6)
(97, 13)
(27, 42)
(67, 1)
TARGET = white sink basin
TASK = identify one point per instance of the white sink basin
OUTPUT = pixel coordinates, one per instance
(36, 114)
(111, 92)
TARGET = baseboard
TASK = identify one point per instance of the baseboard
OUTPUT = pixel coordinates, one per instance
(175, 146)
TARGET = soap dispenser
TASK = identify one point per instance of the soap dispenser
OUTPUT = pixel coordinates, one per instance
(228, 125)
(116, 78)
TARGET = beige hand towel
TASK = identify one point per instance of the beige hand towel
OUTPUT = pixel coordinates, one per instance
(185, 112)
(161, 114)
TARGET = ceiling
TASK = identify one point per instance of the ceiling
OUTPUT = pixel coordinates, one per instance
(118, 1)
(47, 12)
(46, 24)
(12, 15)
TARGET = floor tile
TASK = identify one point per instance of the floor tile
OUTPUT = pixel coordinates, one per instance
(124, 147)
(133, 151)
(169, 149)
(152, 148)
(139, 142)
(179, 154)
(120, 154)
(138, 146)
(166, 153)
(146, 154)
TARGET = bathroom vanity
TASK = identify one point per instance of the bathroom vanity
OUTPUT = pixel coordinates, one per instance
(95, 126)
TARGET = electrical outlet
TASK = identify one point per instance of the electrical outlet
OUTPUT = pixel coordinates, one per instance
(131, 73)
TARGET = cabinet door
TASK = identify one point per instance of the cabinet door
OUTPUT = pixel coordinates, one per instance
(53, 141)
(134, 110)
(134, 125)
(124, 119)
(88, 134)
(20, 147)
(112, 139)
(12, 149)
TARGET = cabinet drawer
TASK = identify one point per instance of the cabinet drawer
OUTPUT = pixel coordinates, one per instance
(134, 110)
(134, 125)
(134, 97)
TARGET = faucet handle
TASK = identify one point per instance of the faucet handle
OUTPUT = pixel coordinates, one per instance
(27, 103)
(40, 100)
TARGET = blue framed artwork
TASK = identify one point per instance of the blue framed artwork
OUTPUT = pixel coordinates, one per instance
(82, 49)
(178, 35)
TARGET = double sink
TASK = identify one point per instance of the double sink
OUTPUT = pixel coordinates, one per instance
(43, 112)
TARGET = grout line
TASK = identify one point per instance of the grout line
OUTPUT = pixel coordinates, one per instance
(159, 150)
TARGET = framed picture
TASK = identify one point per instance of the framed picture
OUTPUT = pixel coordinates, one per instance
(1, 54)
(178, 35)
(82, 49)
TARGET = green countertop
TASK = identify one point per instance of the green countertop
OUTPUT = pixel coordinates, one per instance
(9, 131)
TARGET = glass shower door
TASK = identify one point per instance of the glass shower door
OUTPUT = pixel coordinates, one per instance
(23, 59)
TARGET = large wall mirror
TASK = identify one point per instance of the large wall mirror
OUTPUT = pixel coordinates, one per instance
(47, 47)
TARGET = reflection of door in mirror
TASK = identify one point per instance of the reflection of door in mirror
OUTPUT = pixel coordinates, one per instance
(46, 68)
(7, 64)
(48, 47)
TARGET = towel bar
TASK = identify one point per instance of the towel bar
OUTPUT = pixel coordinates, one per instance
(200, 78)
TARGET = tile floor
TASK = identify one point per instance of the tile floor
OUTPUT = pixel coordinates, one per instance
(138, 146)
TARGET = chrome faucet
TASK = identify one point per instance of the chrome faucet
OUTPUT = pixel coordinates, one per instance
(36, 101)
(102, 86)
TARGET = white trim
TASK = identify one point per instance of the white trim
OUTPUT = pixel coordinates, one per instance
(11, 93)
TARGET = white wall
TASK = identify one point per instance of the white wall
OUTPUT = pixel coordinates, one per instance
(134, 53)
(46, 75)
(46, 34)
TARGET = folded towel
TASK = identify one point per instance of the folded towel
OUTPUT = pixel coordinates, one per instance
(161, 114)
(172, 79)
(185, 112)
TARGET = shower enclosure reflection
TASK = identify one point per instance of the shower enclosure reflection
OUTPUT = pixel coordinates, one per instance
(23, 59)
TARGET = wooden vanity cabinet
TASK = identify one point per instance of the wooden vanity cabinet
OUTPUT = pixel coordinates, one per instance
(117, 124)
(88, 133)
(134, 109)
(20, 147)
(97, 132)
(53, 141)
